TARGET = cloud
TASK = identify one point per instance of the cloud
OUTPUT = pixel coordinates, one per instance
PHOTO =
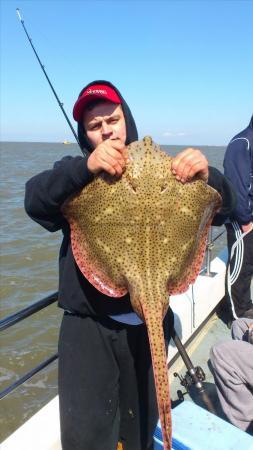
(171, 134)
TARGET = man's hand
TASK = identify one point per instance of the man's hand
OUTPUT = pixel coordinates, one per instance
(189, 163)
(250, 337)
(110, 156)
(247, 227)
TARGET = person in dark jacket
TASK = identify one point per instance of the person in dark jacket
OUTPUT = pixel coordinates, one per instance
(238, 168)
(106, 384)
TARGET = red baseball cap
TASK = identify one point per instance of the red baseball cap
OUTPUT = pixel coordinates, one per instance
(94, 92)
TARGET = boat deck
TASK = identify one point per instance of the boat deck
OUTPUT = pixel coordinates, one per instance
(214, 331)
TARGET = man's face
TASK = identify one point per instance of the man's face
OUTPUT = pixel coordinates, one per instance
(105, 121)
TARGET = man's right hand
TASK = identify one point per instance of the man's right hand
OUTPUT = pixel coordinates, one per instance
(110, 156)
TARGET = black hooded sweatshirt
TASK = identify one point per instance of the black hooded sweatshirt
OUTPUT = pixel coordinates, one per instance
(47, 191)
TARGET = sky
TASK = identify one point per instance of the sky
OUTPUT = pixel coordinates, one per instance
(184, 67)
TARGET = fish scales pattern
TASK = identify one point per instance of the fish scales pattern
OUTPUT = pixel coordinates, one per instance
(144, 233)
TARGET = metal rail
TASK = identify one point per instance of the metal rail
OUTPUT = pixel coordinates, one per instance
(17, 317)
(26, 312)
(27, 376)
(209, 248)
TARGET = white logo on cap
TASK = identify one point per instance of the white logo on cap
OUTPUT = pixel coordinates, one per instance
(97, 91)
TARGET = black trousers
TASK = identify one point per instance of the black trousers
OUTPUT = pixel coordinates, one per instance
(238, 278)
(106, 384)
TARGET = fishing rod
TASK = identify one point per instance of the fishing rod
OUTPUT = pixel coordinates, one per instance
(49, 82)
(194, 376)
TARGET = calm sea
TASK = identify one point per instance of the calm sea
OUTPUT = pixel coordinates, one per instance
(29, 272)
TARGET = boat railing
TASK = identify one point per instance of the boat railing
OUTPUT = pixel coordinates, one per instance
(209, 249)
(17, 317)
(45, 302)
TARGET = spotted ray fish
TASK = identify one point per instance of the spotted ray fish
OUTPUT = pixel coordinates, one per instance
(145, 234)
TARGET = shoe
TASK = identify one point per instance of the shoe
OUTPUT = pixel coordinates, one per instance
(248, 314)
(224, 313)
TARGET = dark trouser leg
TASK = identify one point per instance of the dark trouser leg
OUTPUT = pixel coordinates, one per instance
(88, 386)
(138, 405)
(241, 271)
(105, 373)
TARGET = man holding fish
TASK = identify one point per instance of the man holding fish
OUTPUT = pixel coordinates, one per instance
(106, 382)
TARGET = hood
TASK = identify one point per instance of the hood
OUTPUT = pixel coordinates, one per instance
(251, 122)
(131, 130)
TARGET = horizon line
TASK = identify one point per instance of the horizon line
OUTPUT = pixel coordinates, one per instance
(75, 143)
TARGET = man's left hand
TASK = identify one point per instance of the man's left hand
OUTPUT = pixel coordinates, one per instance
(188, 163)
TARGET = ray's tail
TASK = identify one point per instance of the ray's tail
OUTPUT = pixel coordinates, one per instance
(154, 321)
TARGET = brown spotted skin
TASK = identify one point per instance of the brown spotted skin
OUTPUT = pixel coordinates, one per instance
(144, 233)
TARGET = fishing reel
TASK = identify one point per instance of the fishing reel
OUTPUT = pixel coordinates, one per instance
(193, 377)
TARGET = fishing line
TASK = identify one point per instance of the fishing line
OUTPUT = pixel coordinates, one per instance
(48, 80)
